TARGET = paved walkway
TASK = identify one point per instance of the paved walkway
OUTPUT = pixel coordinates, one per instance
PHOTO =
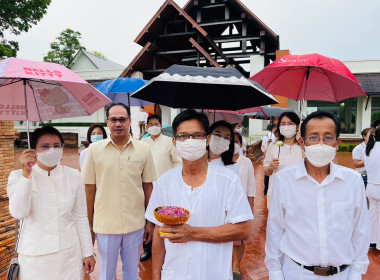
(253, 267)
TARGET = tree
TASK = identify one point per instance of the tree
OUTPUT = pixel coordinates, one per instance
(18, 16)
(65, 47)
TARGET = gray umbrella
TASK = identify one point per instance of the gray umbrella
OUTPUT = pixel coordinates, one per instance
(269, 112)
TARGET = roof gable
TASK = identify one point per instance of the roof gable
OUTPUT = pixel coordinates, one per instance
(83, 58)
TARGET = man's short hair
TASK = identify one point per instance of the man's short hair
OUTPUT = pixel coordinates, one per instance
(376, 123)
(118, 104)
(156, 117)
(188, 115)
(320, 115)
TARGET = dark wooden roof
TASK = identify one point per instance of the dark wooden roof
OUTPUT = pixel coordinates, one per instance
(215, 33)
(168, 13)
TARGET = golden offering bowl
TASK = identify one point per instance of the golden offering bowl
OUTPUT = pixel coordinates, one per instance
(171, 221)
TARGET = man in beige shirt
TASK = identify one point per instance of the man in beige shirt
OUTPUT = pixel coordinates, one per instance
(165, 157)
(118, 173)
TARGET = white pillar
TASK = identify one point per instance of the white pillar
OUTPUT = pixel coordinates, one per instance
(166, 115)
(173, 114)
(256, 126)
(135, 115)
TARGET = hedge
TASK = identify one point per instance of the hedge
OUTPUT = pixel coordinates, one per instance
(346, 147)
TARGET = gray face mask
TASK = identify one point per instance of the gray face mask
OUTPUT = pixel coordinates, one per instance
(51, 157)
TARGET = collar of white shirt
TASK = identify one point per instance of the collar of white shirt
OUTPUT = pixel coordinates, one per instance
(334, 173)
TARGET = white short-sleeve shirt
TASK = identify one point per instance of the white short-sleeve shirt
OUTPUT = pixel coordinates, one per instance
(358, 153)
(220, 200)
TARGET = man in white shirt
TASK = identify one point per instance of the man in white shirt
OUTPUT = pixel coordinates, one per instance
(142, 121)
(201, 249)
(318, 224)
(164, 155)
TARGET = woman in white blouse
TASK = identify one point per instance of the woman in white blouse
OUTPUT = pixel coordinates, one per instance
(247, 177)
(50, 200)
(221, 145)
(285, 152)
(372, 165)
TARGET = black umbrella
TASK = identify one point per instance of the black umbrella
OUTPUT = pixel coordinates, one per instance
(204, 88)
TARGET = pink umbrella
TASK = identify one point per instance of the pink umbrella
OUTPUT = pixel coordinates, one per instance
(41, 91)
(309, 77)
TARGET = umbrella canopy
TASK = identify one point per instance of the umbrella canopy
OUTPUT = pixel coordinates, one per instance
(268, 112)
(41, 91)
(223, 116)
(309, 77)
(204, 88)
(119, 90)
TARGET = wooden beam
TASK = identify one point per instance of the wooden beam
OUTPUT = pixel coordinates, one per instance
(228, 39)
(176, 34)
(220, 22)
(226, 12)
(204, 53)
(176, 52)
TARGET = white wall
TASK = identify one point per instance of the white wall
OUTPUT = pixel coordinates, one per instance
(256, 126)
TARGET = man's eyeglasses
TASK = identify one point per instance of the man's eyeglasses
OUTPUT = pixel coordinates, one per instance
(47, 146)
(228, 138)
(185, 136)
(316, 139)
(115, 120)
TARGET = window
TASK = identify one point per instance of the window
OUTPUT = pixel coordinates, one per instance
(375, 111)
(345, 112)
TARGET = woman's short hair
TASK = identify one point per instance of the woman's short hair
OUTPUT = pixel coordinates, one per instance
(91, 129)
(45, 130)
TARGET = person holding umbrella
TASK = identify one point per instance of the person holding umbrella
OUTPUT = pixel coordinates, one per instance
(51, 201)
(284, 152)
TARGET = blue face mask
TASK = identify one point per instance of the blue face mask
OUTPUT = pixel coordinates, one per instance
(95, 138)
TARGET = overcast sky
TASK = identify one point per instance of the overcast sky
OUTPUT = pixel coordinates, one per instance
(343, 29)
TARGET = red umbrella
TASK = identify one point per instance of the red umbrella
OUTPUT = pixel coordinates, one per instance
(309, 77)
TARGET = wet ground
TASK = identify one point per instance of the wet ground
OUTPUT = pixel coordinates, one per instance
(253, 267)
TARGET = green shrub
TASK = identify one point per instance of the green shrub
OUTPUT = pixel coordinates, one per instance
(346, 147)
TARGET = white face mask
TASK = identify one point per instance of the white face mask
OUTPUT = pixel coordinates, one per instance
(239, 130)
(191, 149)
(51, 157)
(154, 130)
(320, 155)
(96, 138)
(218, 145)
(236, 148)
(288, 131)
